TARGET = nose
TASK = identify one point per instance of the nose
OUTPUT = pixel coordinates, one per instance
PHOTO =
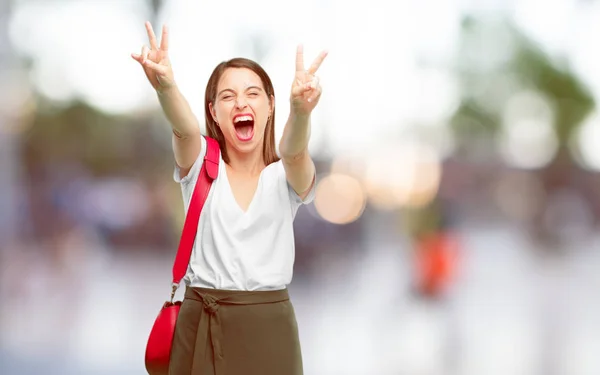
(240, 102)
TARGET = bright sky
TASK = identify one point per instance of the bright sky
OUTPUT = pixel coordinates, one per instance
(371, 79)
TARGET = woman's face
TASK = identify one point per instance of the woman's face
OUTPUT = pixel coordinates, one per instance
(241, 109)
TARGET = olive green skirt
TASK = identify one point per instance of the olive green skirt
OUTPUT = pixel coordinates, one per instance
(223, 332)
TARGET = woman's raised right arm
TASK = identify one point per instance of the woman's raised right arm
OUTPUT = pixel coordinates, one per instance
(187, 141)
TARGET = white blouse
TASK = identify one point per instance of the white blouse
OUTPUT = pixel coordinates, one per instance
(237, 250)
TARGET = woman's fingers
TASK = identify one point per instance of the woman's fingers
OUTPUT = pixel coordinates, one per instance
(314, 83)
(145, 53)
(149, 55)
(151, 36)
(315, 89)
(314, 66)
(154, 49)
(299, 58)
(317, 63)
(154, 60)
(157, 68)
(164, 39)
(310, 90)
(299, 90)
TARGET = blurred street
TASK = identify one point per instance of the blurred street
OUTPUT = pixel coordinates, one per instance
(509, 313)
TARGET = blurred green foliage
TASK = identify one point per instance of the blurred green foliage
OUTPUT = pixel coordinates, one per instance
(105, 144)
(517, 58)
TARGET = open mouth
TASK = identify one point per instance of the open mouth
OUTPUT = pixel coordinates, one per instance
(244, 127)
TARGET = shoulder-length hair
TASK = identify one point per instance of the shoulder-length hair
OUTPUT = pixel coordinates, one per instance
(213, 130)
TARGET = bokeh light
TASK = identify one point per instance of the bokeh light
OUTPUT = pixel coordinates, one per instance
(527, 139)
(340, 199)
(407, 175)
(585, 144)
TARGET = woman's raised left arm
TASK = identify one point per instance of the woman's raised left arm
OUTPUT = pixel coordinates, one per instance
(293, 147)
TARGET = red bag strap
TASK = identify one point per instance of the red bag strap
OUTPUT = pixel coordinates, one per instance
(208, 172)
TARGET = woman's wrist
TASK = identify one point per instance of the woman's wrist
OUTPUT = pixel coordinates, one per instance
(170, 90)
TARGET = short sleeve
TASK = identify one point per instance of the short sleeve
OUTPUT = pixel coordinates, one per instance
(194, 170)
(294, 197)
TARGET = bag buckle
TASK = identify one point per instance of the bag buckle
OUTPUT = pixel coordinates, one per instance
(174, 287)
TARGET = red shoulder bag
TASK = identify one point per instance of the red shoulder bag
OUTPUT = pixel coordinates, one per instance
(158, 348)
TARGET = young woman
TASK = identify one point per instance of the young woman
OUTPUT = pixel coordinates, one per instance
(236, 317)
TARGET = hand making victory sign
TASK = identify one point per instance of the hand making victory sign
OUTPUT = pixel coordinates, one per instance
(155, 60)
(306, 89)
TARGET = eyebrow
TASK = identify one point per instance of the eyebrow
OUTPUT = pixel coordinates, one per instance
(248, 88)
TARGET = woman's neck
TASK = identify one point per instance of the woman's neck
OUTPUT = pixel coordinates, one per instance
(246, 163)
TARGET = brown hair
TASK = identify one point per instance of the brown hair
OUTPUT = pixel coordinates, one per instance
(213, 130)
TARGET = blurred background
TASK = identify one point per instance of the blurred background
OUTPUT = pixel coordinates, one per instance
(455, 226)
